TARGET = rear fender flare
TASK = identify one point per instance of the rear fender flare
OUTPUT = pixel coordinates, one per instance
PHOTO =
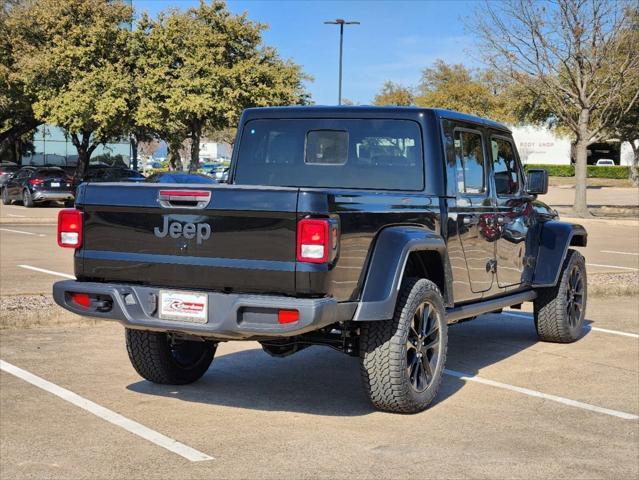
(554, 240)
(386, 269)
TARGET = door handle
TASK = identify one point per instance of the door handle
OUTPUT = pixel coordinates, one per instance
(470, 219)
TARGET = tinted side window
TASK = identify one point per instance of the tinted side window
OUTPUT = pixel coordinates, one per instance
(505, 167)
(469, 162)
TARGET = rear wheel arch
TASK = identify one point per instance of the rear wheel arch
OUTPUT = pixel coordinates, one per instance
(402, 252)
(429, 264)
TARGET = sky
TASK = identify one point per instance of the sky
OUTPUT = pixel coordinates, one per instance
(395, 41)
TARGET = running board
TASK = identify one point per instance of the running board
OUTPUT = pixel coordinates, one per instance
(487, 306)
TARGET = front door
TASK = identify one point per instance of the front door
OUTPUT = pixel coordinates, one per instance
(514, 214)
(474, 207)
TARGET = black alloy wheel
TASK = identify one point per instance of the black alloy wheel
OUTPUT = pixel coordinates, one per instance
(423, 347)
(575, 296)
(560, 310)
(403, 358)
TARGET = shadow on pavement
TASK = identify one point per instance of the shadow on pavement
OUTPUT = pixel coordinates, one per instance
(320, 381)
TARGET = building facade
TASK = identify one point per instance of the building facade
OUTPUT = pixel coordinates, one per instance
(52, 147)
(540, 145)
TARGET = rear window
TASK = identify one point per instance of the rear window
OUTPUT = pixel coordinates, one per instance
(49, 172)
(371, 154)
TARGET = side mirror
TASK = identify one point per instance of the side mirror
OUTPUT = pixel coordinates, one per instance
(537, 182)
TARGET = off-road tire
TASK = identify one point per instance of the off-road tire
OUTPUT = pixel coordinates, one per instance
(552, 320)
(27, 199)
(383, 351)
(154, 359)
(5, 197)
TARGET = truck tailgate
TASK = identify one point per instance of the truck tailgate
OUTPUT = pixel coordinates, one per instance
(133, 234)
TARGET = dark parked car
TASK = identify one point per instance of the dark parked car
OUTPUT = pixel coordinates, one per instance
(367, 230)
(35, 185)
(6, 171)
(179, 177)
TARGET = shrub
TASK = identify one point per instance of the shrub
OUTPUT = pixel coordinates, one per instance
(554, 170)
(593, 171)
(608, 171)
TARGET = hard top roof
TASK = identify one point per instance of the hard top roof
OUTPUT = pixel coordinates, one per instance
(367, 111)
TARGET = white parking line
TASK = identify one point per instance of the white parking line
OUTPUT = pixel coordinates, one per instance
(533, 393)
(106, 414)
(44, 270)
(23, 232)
(619, 253)
(17, 216)
(612, 266)
(586, 327)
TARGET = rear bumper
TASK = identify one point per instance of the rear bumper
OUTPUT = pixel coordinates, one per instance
(230, 316)
(43, 195)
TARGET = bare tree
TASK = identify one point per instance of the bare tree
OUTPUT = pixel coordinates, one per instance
(574, 55)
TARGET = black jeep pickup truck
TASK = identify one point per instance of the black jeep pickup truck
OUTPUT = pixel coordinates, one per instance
(368, 230)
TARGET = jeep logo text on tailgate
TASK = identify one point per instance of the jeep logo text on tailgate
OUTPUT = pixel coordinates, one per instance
(200, 231)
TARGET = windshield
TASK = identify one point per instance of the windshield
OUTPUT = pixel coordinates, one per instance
(371, 154)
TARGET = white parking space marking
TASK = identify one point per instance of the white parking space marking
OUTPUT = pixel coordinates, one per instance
(106, 414)
(17, 216)
(533, 393)
(23, 232)
(44, 270)
(613, 332)
(620, 253)
(612, 266)
(586, 327)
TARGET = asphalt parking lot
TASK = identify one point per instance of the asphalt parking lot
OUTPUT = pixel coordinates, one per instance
(509, 407)
(306, 416)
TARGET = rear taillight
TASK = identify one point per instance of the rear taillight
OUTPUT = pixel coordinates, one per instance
(313, 240)
(70, 228)
(36, 181)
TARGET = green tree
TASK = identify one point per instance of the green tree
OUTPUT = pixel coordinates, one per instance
(394, 94)
(201, 67)
(71, 56)
(17, 118)
(579, 56)
(477, 92)
(626, 124)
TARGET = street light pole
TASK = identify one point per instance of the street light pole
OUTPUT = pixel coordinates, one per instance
(341, 22)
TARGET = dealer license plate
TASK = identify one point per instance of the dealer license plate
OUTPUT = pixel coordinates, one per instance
(184, 306)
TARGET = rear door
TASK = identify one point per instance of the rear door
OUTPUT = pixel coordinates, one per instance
(473, 205)
(17, 182)
(226, 238)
